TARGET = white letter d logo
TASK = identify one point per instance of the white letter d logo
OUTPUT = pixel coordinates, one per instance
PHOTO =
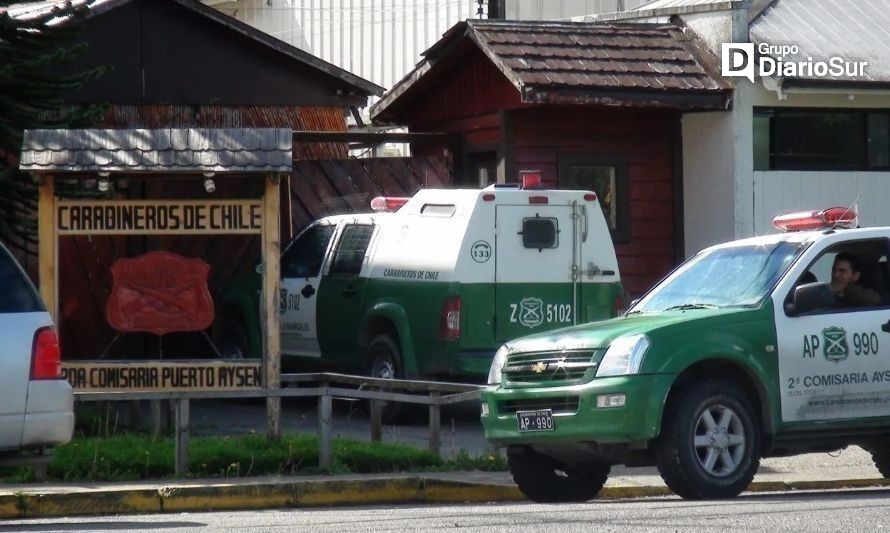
(737, 59)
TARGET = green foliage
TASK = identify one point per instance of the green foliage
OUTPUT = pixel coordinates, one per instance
(33, 57)
(128, 457)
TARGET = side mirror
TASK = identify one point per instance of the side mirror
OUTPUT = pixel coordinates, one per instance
(809, 297)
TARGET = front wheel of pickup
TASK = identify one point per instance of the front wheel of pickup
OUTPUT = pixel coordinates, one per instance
(544, 480)
(710, 444)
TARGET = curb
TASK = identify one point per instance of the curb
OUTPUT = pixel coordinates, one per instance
(326, 493)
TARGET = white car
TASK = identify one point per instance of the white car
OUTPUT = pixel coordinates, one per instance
(36, 404)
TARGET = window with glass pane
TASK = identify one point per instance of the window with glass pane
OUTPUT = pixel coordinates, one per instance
(830, 140)
(540, 232)
(878, 140)
(607, 176)
(304, 257)
(350, 252)
(821, 139)
(600, 180)
(18, 293)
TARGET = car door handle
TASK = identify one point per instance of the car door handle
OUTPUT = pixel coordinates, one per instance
(308, 291)
(885, 327)
(349, 292)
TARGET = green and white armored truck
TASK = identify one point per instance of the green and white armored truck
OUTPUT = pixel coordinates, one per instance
(742, 352)
(433, 288)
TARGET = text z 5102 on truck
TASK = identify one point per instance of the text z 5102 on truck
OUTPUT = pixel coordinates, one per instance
(767, 346)
(435, 286)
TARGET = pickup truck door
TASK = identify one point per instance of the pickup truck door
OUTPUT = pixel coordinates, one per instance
(301, 267)
(342, 294)
(832, 361)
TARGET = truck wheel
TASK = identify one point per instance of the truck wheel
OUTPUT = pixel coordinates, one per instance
(544, 480)
(233, 342)
(710, 444)
(385, 361)
(881, 456)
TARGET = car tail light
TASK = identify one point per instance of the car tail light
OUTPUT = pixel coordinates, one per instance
(449, 323)
(46, 357)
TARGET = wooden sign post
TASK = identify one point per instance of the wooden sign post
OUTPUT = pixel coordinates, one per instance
(58, 217)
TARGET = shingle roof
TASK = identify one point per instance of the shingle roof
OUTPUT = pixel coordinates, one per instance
(619, 56)
(139, 150)
(822, 29)
(598, 63)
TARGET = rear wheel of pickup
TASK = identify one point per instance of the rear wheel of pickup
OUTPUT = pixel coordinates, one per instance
(881, 457)
(385, 362)
(710, 444)
(545, 480)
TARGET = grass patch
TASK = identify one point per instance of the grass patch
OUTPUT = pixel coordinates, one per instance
(130, 457)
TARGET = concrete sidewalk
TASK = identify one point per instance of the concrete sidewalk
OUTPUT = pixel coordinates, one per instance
(849, 468)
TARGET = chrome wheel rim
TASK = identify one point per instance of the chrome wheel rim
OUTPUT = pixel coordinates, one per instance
(719, 441)
(384, 368)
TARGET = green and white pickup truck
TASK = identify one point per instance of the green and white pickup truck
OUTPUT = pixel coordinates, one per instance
(433, 288)
(742, 352)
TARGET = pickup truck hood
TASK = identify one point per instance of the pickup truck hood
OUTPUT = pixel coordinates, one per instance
(597, 335)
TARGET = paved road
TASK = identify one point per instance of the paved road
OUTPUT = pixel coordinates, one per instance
(862, 510)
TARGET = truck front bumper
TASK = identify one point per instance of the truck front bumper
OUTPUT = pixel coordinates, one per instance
(576, 417)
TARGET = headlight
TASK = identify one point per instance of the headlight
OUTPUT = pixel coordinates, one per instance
(497, 365)
(624, 356)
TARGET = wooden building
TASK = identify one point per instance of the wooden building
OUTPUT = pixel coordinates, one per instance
(589, 105)
(178, 64)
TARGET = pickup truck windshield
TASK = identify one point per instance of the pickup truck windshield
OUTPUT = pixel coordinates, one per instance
(723, 277)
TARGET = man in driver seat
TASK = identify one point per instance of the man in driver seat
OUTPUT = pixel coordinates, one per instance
(845, 272)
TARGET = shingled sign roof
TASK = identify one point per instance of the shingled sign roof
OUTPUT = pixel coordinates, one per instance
(600, 63)
(139, 150)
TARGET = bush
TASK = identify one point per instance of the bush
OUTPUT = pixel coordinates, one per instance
(128, 457)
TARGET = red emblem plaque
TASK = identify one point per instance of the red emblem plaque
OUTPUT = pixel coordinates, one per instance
(160, 293)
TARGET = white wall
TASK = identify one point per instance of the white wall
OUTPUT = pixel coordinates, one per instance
(777, 192)
(379, 40)
(560, 9)
(724, 198)
(788, 191)
(707, 180)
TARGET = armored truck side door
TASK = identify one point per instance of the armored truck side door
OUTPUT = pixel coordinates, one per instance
(535, 250)
(301, 266)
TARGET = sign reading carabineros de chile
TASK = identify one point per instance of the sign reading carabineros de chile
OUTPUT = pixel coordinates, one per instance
(158, 217)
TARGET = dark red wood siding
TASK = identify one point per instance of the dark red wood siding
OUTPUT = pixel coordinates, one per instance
(476, 88)
(645, 138)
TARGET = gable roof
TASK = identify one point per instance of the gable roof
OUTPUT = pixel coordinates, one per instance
(585, 63)
(822, 29)
(167, 149)
(34, 10)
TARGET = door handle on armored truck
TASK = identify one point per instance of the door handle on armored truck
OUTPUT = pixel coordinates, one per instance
(349, 292)
(307, 291)
(885, 327)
